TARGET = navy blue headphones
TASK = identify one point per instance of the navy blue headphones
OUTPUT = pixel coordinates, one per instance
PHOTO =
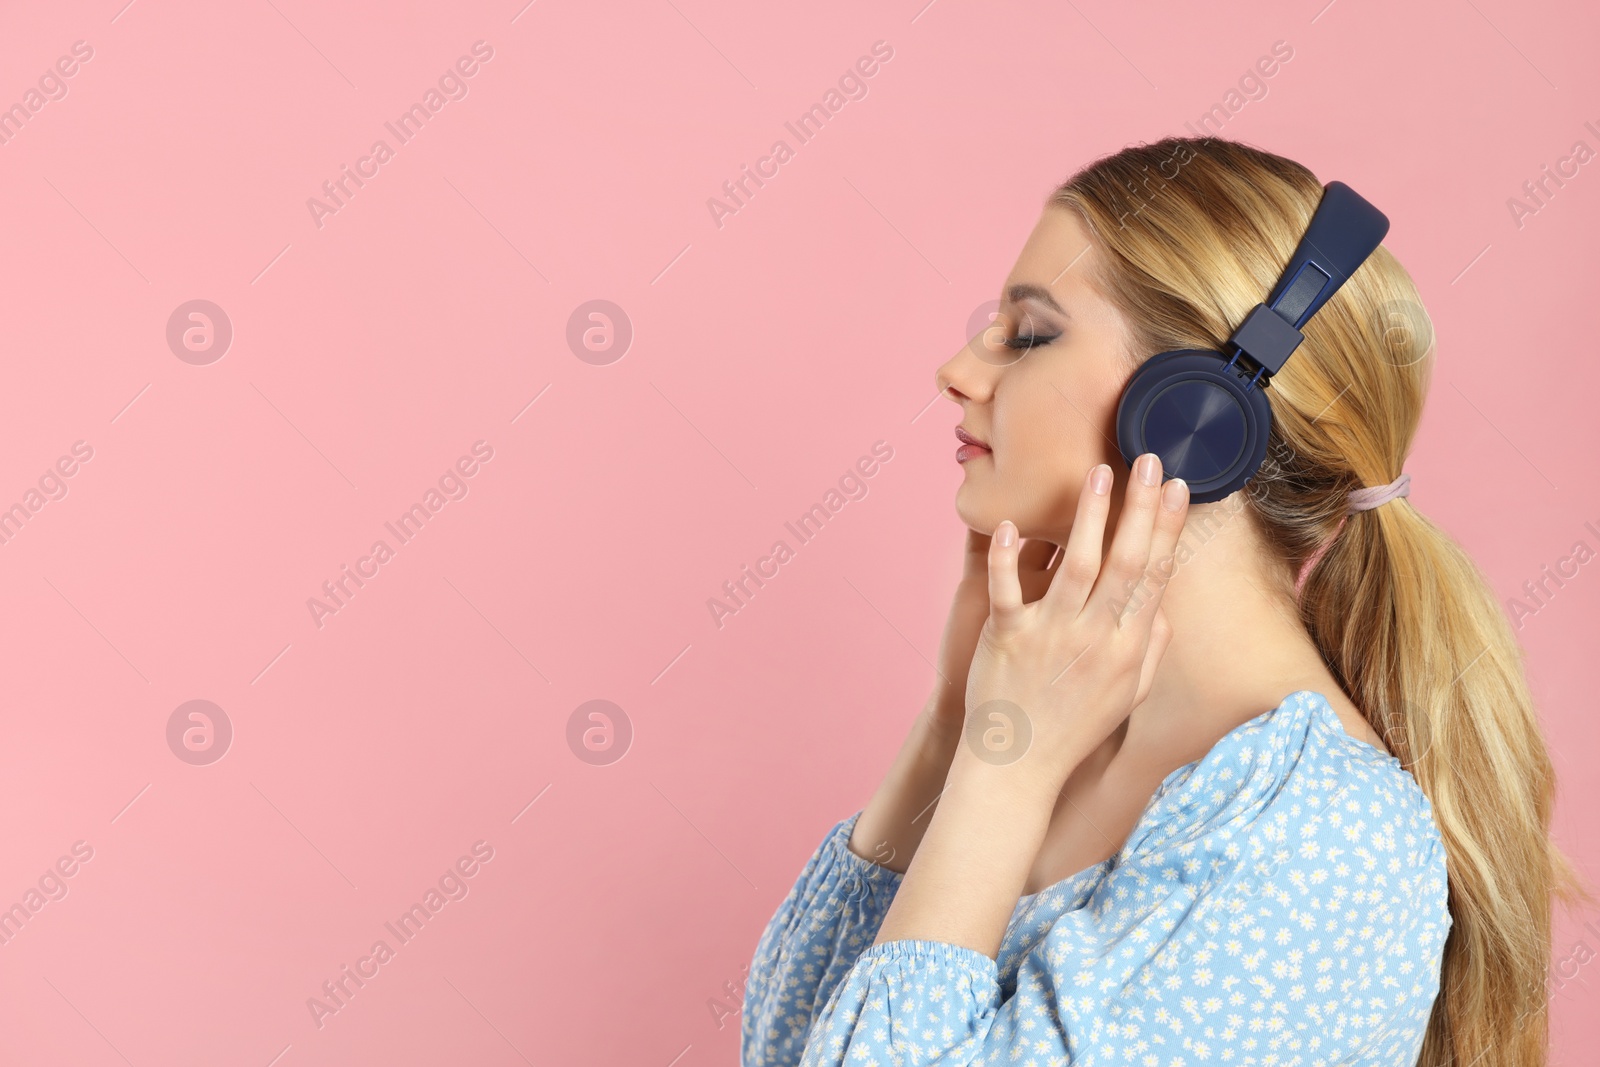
(1206, 413)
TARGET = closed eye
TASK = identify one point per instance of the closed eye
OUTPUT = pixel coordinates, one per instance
(1029, 341)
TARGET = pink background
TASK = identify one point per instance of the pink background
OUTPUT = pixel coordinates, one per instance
(768, 354)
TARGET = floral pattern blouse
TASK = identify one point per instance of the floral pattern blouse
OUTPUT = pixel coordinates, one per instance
(1281, 901)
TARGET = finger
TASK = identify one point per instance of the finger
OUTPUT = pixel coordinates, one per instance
(1174, 511)
(1005, 590)
(1080, 556)
(1119, 583)
(1170, 515)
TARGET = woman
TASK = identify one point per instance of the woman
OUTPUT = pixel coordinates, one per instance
(1260, 780)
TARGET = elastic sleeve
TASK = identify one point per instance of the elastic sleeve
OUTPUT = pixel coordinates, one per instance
(830, 916)
(923, 1002)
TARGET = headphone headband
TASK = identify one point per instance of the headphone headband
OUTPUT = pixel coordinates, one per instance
(1343, 232)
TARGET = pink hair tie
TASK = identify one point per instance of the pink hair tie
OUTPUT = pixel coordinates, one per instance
(1364, 499)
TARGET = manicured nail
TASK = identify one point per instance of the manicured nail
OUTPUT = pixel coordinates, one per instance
(1173, 492)
(1100, 479)
(1148, 473)
(1006, 535)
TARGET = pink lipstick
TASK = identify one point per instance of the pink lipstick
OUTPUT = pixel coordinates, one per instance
(971, 447)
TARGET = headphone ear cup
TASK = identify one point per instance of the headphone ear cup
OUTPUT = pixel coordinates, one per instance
(1194, 411)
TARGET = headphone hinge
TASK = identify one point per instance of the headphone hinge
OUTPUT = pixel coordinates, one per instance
(1266, 339)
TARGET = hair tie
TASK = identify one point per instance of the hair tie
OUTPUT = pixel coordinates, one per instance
(1363, 499)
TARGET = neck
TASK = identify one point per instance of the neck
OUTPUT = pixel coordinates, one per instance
(1237, 648)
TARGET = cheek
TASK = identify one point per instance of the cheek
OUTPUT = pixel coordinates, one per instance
(1053, 429)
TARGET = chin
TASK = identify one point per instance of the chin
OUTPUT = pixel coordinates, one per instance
(983, 515)
(971, 510)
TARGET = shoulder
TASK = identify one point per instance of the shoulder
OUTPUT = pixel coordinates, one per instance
(1293, 763)
(1283, 899)
(1290, 812)
(1345, 847)
(1322, 888)
(1354, 722)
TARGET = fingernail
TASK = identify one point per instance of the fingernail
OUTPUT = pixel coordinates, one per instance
(1006, 534)
(1100, 479)
(1149, 474)
(1173, 492)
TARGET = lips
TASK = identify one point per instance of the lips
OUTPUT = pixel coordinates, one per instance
(971, 447)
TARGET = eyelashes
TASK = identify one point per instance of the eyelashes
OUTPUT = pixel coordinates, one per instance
(1030, 341)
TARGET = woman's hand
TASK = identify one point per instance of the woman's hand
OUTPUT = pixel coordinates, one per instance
(1051, 679)
(1048, 681)
(969, 610)
(892, 825)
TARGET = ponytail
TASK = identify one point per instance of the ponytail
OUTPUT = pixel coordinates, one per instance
(1417, 639)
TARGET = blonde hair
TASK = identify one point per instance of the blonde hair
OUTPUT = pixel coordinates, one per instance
(1191, 233)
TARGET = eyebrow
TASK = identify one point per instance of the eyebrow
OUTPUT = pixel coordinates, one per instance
(1025, 290)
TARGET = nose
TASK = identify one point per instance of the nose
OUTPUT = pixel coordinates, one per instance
(966, 377)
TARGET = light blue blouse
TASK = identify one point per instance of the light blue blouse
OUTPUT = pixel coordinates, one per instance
(1280, 901)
